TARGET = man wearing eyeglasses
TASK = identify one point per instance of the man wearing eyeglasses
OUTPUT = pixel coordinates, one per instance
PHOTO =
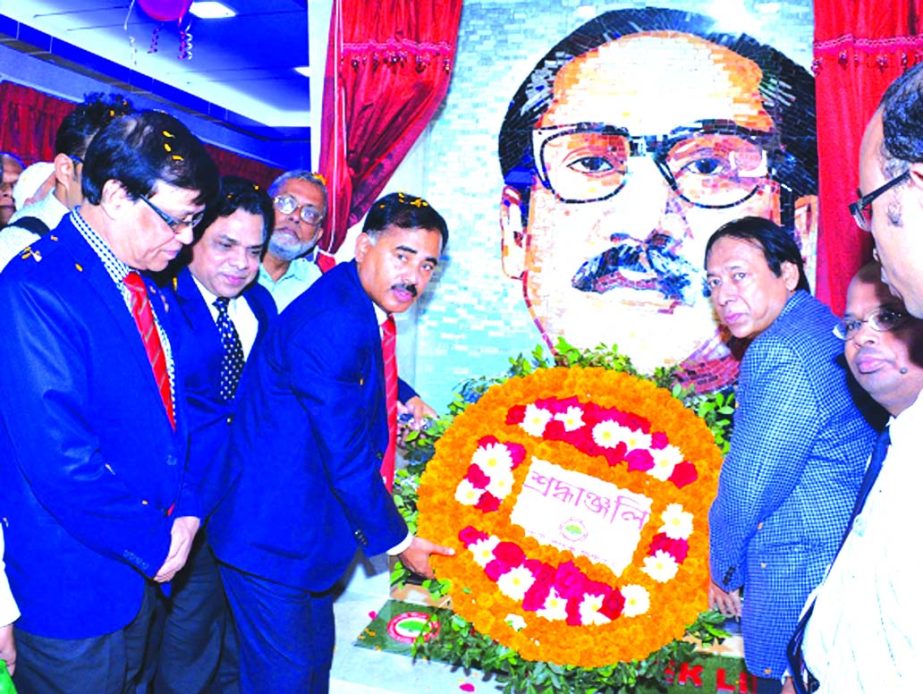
(864, 631)
(630, 142)
(71, 141)
(300, 201)
(99, 504)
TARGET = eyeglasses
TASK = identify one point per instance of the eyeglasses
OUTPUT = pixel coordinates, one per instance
(286, 204)
(172, 222)
(713, 164)
(881, 320)
(861, 209)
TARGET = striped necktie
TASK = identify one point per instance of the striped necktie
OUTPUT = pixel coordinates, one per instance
(144, 319)
(232, 362)
(388, 353)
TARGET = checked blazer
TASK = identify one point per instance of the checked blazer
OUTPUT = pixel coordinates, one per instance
(787, 486)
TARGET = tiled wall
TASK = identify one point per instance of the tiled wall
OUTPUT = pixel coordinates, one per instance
(474, 316)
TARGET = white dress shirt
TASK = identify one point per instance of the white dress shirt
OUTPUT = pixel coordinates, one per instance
(866, 632)
(9, 612)
(239, 312)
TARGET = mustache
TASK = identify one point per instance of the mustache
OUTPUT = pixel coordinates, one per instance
(407, 287)
(664, 271)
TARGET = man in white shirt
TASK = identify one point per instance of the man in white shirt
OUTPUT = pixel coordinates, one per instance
(299, 198)
(73, 138)
(866, 630)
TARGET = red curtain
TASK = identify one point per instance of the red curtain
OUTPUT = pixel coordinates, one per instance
(29, 121)
(388, 69)
(860, 47)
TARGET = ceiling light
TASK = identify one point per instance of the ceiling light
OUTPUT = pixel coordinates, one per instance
(211, 10)
(304, 70)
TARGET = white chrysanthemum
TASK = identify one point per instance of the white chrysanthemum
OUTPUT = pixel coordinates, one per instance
(572, 418)
(608, 434)
(467, 494)
(535, 420)
(589, 610)
(555, 607)
(636, 439)
(516, 622)
(665, 459)
(501, 483)
(492, 457)
(482, 551)
(637, 600)
(677, 523)
(662, 567)
(515, 582)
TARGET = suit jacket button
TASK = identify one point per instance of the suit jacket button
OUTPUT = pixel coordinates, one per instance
(171, 460)
(230, 419)
(762, 565)
(759, 526)
(380, 455)
(361, 381)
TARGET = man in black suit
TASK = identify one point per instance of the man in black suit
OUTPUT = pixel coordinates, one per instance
(224, 315)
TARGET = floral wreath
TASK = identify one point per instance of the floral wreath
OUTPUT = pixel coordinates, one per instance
(551, 604)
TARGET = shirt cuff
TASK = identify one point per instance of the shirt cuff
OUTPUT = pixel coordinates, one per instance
(399, 548)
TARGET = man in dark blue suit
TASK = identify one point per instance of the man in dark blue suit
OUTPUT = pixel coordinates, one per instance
(224, 314)
(97, 496)
(309, 440)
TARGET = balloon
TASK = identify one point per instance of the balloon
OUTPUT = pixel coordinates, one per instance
(165, 10)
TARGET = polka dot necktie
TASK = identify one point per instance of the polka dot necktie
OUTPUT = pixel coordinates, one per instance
(232, 363)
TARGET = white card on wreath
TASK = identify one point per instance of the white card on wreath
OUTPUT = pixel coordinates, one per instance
(581, 513)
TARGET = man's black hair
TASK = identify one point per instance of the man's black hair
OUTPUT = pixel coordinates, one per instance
(239, 194)
(80, 126)
(777, 243)
(407, 212)
(787, 90)
(142, 149)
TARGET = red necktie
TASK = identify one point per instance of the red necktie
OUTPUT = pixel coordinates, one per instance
(144, 319)
(388, 347)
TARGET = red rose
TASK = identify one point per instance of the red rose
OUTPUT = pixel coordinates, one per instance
(684, 473)
(613, 604)
(470, 535)
(659, 440)
(510, 553)
(678, 549)
(517, 452)
(487, 503)
(495, 569)
(516, 414)
(640, 459)
(477, 477)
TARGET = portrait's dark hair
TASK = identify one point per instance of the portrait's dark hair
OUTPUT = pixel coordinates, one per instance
(902, 118)
(777, 243)
(80, 125)
(407, 212)
(787, 90)
(303, 175)
(141, 149)
(239, 194)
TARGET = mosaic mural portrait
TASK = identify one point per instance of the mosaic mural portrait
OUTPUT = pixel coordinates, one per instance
(630, 142)
(583, 161)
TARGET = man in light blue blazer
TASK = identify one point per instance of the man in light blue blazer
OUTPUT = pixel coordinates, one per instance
(308, 440)
(799, 443)
(99, 502)
(222, 269)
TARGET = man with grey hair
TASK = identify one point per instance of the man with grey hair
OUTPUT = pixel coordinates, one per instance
(299, 199)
